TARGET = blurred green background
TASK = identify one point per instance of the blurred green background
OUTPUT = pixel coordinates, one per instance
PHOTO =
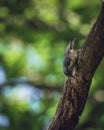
(33, 38)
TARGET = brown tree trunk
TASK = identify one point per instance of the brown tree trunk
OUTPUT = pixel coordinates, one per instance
(76, 89)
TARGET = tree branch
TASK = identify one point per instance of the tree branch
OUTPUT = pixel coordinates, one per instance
(76, 89)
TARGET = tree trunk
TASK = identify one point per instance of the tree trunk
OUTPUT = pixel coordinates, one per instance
(76, 89)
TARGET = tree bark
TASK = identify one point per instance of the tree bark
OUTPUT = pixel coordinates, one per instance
(76, 89)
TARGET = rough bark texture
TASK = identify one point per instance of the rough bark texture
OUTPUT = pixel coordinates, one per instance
(76, 89)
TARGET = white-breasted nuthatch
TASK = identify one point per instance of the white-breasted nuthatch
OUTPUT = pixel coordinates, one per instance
(69, 59)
